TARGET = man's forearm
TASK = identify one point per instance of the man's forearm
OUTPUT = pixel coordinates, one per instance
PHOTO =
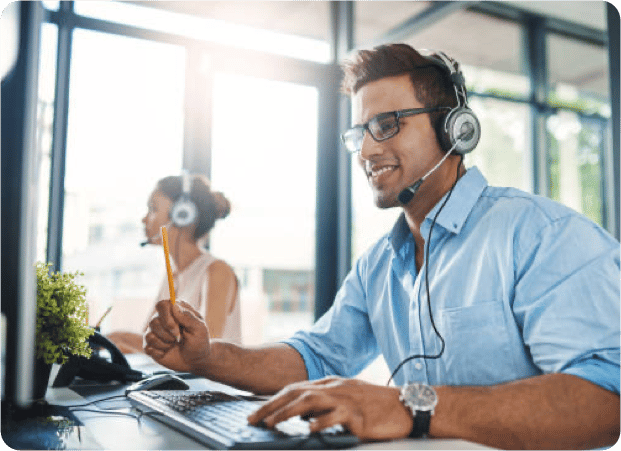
(550, 411)
(262, 370)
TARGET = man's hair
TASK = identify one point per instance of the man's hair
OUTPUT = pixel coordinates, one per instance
(210, 205)
(432, 85)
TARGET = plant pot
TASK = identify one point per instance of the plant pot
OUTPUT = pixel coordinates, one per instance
(41, 379)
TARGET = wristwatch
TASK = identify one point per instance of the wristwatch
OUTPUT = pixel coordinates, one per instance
(421, 399)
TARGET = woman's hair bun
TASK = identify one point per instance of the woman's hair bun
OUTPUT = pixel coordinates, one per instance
(222, 205)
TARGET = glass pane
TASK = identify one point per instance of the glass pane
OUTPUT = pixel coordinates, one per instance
(579, 81)
(503, 153)
(125, 132)
(296, 29)
(491, 65)
(45, 120)
(373, 19)
(576, 148)
(52, 5)
(264, 159)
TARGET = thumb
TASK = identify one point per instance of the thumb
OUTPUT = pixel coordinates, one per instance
(186, 318)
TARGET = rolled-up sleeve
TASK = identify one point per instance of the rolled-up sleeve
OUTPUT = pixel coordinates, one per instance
(341, 342)
(567, 300)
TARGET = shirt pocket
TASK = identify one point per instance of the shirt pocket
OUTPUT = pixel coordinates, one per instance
(478, 349)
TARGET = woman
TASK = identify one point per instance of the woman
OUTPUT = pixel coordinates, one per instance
(205, 282)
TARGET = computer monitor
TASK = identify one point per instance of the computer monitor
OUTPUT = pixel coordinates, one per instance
(19, 45)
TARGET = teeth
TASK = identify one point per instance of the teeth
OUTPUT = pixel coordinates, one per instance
(380, 171)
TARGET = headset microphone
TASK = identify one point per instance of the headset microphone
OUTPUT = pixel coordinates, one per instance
(407, 194)
(149, 239)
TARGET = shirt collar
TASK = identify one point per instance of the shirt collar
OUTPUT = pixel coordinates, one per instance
(454, 214)
(465, 194)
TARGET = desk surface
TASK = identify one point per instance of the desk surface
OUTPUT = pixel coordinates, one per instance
(114, 424)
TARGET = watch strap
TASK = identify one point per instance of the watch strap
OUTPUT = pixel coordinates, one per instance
(421, 424)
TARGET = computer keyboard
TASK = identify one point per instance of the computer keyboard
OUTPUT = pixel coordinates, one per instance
(219, 420)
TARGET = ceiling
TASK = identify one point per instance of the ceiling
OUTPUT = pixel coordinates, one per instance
(588, 13)
(311, 18)
(467, 36)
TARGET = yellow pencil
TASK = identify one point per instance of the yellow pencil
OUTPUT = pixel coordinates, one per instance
(171, 284)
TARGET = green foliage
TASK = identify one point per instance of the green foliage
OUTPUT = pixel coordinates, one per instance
(62, 327)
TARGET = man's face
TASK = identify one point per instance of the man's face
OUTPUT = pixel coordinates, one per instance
(394, 164)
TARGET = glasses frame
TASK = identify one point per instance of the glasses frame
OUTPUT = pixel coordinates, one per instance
(347, 137)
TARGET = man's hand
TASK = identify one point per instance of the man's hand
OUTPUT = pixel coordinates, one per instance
(177, 337)
(371, 412)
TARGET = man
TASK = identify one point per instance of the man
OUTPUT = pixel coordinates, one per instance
(497, 310)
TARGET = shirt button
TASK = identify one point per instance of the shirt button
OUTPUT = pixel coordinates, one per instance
(418, 366)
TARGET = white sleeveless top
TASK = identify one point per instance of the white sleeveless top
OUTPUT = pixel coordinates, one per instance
(192, 285)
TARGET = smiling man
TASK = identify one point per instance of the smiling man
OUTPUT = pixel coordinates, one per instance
(496, 310)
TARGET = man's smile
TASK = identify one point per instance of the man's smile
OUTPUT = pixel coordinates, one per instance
(378, 172)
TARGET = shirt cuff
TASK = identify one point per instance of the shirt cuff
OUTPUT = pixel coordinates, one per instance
(600, 372)
(310, 360)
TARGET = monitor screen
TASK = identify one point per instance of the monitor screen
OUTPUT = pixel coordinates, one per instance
(20, 43)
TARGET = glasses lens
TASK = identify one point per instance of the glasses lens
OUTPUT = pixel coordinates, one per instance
(384, 126)
(352, 139)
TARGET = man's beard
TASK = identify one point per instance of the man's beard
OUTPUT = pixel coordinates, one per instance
(385, 200)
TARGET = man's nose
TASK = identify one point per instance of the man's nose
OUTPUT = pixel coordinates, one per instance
(369, 147)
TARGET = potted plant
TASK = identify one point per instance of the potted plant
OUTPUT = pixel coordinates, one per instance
(62, 322)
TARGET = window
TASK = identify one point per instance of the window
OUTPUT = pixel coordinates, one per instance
(264, 159)
(271, 26)
(576, 163)
(579, 91)
(578, 82)
(125, 132)
(45, 120)
(504, 152)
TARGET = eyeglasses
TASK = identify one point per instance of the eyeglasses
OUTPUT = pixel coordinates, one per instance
(381, 127)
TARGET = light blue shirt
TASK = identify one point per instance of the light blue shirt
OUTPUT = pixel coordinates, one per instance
(520, 286)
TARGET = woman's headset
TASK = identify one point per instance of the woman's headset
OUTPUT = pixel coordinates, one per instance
(460, 128)
(183, 213)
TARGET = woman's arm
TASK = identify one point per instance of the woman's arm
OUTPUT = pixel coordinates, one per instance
(221, 296)
(127, 342)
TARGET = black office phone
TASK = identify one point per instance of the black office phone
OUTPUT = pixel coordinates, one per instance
(106, 363)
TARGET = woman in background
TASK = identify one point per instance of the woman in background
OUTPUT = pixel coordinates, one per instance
(202, 280)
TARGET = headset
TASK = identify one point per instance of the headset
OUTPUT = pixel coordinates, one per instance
(460, 129)
(183, 212)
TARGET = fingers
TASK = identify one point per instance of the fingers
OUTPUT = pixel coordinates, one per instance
(308, 398)
(321, 409)
(283, 397)
(185, 306)
(188, 318)
(353, 422)
(309, 404)
(164, 324)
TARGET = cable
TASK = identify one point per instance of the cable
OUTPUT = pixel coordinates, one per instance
(433, 324)
(96, 401)
(107, 412)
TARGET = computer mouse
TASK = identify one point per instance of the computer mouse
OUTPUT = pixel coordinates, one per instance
(159, 382)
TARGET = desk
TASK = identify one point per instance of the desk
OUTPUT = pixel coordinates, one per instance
(107, 430)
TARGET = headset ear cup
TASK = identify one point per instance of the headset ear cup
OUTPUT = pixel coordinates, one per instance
(183, 213)
(461, 131)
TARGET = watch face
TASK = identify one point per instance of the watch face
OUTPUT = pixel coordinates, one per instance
(420, 397)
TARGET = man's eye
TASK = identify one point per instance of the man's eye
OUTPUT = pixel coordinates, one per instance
(384, 125)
